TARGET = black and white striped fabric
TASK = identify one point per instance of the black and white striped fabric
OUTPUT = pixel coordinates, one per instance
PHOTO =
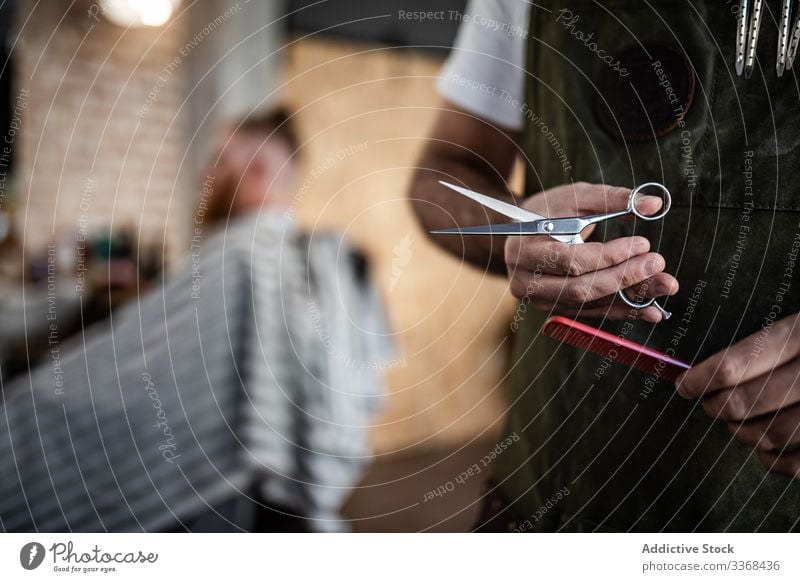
(255, 366)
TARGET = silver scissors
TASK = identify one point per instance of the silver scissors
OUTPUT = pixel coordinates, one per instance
(566, 230)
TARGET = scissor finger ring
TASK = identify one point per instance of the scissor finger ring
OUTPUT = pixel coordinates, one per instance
(641, 305)
(663, 194)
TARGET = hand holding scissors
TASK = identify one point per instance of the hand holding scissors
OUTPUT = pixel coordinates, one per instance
(568, 230)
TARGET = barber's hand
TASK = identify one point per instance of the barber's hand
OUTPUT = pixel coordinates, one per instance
(583, 279)
(755, 386)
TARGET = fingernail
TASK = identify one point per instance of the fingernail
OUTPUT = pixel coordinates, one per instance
(648, 199)
(680, 386)
(651, 315)
(653, 266)
(662, 289)
(642, 245)
(651, 198)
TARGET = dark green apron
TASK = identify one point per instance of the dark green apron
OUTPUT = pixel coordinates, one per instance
(609, 449)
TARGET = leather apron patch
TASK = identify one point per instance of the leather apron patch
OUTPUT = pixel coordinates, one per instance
(652, 99)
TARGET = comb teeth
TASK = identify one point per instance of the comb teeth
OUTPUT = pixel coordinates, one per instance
(614, 348)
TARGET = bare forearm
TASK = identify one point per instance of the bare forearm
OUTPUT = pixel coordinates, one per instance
(468, 151)
(438, 207)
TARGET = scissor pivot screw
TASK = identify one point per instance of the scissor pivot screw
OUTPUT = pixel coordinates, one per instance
(548, 226)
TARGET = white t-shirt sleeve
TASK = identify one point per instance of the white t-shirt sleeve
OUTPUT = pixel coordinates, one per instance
(485, 71)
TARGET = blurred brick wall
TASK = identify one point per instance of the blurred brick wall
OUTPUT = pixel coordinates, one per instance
(96, 146)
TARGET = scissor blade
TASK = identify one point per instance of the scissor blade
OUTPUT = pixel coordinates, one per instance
(510, 229)
(504, 208)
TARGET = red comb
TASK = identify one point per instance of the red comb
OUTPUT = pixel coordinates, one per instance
(614, 348)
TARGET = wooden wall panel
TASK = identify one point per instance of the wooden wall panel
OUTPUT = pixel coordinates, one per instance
(363, 113)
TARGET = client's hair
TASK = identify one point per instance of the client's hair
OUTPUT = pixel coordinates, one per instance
(273, 124)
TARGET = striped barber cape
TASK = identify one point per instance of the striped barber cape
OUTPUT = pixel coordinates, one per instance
(256, 367)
